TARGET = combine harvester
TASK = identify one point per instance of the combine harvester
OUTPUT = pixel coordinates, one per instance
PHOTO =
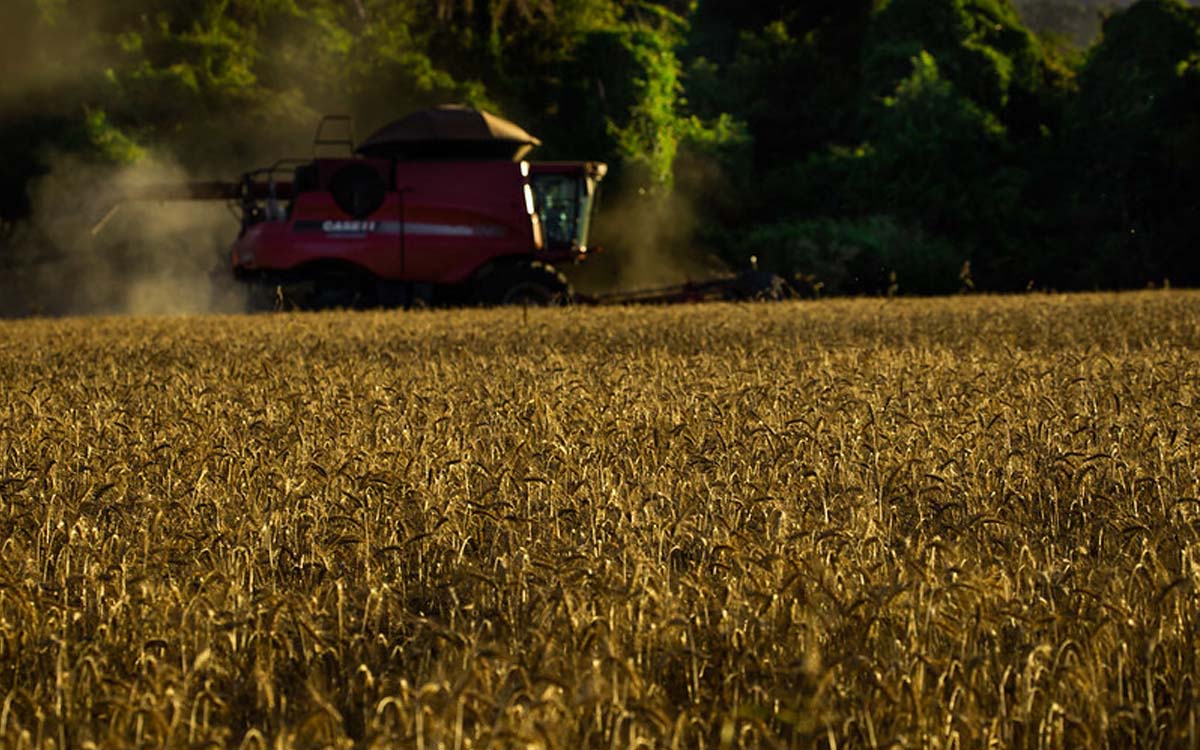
(437, 208)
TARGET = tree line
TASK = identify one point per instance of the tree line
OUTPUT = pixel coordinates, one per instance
(856, 146)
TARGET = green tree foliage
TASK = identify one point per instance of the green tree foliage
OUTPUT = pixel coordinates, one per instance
(40, 95)
(1134, 147)
(792, 76)
(937, 159)
(980, 46)
(649, 126)
(919, 124)
(935, 163)
(225, 80)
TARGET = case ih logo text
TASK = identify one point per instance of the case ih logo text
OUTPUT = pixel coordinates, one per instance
(348, 227)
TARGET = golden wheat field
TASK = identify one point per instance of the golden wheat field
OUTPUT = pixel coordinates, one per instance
(959, 523)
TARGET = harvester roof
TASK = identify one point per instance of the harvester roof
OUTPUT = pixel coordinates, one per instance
(449, 132)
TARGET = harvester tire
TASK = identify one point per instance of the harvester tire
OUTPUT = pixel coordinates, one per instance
(531, 283)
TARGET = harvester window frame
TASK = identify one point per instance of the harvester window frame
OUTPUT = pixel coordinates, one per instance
(587, 206)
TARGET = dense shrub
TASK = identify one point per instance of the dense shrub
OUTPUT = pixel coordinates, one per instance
(1134, 148)
(873, 255)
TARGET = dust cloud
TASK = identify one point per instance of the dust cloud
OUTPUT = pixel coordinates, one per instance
(151, 257)
(656, 238)
(648, 241)
(41, 59)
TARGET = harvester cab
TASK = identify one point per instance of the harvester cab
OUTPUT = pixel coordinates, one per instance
(565, 194)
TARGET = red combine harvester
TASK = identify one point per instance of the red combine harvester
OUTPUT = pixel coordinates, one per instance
(438, 207)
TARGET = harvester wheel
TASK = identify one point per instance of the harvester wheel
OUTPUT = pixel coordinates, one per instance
(527, 283)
